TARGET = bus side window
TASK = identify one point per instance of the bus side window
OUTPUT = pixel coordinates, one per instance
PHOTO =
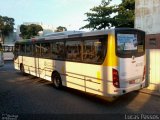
(22, 49)
(46, 50)
(88, 50)
(73, 50)
(16, 50)
(94, 50)
(58, 50)
(37, 50)
(54, 51)
(29, 49)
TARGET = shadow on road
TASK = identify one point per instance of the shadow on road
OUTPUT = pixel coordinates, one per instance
(126, 99)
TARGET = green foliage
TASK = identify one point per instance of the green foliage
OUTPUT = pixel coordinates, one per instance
(28, 31)
(107, 16)
(6, 26)
(100, 17)
(125, 17)
(60, 29)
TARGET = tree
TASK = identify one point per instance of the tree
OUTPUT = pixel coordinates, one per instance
(28, 31)
(107, 16)
(60, 29)
(100, 16)
(125, 17)
(23, 30)
(6, 26)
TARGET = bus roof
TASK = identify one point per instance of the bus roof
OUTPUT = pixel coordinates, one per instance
(73, 34)
(64, 35)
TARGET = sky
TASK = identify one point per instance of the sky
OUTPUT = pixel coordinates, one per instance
(67, 13)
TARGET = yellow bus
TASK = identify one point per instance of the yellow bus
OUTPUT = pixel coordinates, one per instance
(104, 62)
(1, 56)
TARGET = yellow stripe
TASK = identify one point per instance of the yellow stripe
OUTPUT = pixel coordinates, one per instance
(98, 75)
(111, 58)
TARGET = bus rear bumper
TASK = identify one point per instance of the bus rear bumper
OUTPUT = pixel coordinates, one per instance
(122, 91)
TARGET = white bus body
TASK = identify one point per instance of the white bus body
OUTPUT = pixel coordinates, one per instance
(108, 62)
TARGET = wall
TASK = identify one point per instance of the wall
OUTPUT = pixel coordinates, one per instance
(147, 18)
(153, 56)
(147, 15)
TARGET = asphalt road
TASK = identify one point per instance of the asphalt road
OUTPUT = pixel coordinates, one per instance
(28, 96)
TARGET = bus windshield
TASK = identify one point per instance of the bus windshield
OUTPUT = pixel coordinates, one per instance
(130, 43)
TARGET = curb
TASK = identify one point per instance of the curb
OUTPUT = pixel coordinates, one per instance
(151, 92)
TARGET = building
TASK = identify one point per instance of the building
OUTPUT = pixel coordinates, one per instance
(147, 18)
(47, 28)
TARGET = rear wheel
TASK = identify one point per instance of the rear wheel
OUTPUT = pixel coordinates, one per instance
(56, 79)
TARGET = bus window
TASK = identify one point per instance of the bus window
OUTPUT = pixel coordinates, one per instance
(94, 50)
(16, 50)
(58, 50)
(73, 50)
(37, 50)
(28, 49)
(45, 50)
(22, 49)
(130, 44)
(54, 51)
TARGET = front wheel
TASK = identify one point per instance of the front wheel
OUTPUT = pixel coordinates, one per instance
(56, 79)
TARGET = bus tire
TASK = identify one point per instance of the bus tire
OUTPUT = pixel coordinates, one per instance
(22, 69)
(56, 79)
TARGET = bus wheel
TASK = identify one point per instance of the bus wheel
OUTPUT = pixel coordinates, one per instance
(22, 69)
(56, 79)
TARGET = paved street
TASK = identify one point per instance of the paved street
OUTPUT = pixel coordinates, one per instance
(31, 95)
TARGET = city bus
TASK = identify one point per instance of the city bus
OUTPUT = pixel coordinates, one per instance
(1, 56)
(104, 62)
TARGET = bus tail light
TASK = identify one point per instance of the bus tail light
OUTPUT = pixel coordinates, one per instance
(115, 76)
(144, 73)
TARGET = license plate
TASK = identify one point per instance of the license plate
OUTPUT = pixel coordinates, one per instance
(134, 81)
